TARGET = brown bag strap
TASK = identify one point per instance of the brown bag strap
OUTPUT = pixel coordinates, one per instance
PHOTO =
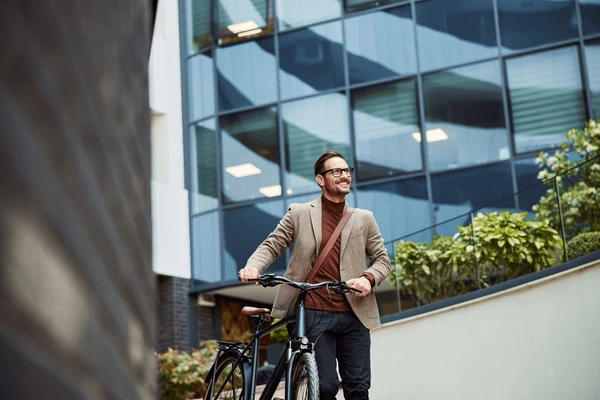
(329, 245)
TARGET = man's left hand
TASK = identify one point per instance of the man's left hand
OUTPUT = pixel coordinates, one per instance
(361, 283)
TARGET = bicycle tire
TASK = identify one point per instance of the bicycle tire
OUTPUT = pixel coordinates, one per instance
(305, 378)
(226, 388)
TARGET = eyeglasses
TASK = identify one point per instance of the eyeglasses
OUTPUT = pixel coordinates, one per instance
(337, 172)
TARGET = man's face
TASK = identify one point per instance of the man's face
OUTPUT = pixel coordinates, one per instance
(332, 186)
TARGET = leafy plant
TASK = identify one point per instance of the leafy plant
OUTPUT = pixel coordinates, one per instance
(578, 185)
(582, 244)
(504, 245)
(279, 335)
(181, 374)
(429, 273)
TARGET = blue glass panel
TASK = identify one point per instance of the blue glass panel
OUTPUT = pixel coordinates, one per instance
(460, 192)
(452, 32)
(200, 24)
(206, 246)
(203, 159)
(400, 207)
(359, 5)
(592, 55)
(202, 86)
(250, 148)
(247, 74)
(528, 183)
(246, 228)
(590, 15)
(546, 97)
(385, 119)
(311, 127)
(243, 19)
(380, 45)
(296, 13)
(311, 60)
(532, 23)
(465, 116)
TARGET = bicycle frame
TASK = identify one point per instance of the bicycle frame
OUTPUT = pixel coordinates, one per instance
(294, 347)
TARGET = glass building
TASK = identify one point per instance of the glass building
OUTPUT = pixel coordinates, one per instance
(440, 105)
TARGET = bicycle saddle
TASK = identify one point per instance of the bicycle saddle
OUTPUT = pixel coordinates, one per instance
(250, 311)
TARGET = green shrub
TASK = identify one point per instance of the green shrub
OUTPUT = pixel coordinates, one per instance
(505, 245)
(279, 335)
(181, 374)
(582, 244)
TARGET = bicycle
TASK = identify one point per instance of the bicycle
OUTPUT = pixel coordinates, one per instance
(233, 374)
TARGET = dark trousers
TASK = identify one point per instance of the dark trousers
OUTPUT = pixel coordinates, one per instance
(341, 336)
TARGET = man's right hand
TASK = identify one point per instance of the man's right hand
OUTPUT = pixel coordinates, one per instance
(248, 273)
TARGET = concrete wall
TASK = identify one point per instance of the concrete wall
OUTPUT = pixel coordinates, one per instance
(77, 293)
(536, 341)
(170, 216)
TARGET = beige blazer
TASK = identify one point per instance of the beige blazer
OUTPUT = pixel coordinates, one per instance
(301, 226)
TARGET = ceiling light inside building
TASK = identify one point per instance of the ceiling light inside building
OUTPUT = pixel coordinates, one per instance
(271, 191)
(242, 170)
(242, 27)
(433, 135)
(248, 33)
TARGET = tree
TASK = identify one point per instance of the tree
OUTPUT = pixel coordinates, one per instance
(578, 183)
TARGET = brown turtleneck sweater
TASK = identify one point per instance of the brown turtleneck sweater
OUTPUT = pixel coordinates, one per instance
(322, 299)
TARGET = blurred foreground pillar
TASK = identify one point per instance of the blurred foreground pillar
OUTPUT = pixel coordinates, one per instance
(77, 295)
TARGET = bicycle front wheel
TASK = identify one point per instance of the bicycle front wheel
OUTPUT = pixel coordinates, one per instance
(305, 378)
(229, 381)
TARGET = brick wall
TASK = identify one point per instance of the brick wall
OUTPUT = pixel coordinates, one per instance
(77, 293)
(173, 313)
(206, 317)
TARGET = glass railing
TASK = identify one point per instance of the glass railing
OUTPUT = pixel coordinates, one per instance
(517, 235)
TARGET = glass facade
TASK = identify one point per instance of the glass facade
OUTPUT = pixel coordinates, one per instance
(440, 105)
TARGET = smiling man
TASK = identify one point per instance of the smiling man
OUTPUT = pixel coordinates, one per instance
(339, 323)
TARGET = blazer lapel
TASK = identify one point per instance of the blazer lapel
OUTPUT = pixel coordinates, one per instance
(316, 215)
(347, 230)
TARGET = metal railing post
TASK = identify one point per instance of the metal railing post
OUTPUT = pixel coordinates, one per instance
(562, 223)
(474, 255)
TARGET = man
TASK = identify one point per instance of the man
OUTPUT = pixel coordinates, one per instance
(340, 322)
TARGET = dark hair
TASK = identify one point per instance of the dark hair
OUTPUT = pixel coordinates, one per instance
(320, 164)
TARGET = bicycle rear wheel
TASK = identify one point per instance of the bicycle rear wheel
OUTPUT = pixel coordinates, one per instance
(228, 385)
(305, 378)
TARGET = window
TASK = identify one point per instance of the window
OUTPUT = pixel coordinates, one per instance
(400, 207)
(200, 24)
(592, 53)
(536, 23)
(203, 145)
(206, 244)
(546, 97)
(464, 113)
(359, 5)
(202, 89)
(246, 74)
(590, 15)
(460, 192)
(296, 13)
(386, 127)
(311, 127)
(380, 45)
(246, 228)
(311, 60)
(250, 155)
(242, 19)
(455, 32)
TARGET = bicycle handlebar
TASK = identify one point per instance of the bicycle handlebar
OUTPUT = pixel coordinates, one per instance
(271, 280)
